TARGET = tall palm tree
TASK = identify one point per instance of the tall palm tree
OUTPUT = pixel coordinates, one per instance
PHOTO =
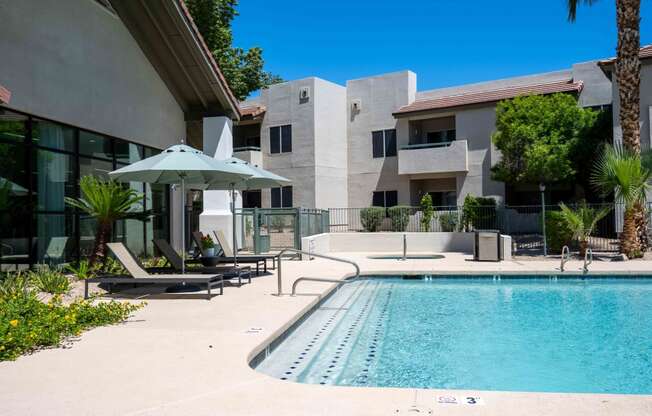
(107, 202)
(628, 76)
(620, 170)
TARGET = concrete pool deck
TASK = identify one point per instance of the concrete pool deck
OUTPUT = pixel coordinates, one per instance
(190, 357)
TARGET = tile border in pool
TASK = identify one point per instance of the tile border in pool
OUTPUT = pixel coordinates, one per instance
(274, 340)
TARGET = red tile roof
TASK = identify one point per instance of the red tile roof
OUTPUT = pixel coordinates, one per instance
(252, 110)
(645, 53)
(479, 97)
(208, 53)
(5, 95)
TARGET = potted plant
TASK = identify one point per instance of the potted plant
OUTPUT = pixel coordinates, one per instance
(208, 246)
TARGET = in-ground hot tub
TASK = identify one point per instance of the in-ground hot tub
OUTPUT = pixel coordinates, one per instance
(518, 333)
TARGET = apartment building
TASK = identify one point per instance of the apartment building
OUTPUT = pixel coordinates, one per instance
(380, 141)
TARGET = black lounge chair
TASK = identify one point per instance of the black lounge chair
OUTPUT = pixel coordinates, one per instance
(222, 258)
(173, 258)
(140, 275)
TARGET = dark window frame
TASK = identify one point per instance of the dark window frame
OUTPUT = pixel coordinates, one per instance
(279, 194)
(280, 139)
(390, 198)
(383, 143)
(30, 153)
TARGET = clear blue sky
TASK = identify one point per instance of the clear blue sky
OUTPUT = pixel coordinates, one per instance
(446, 42)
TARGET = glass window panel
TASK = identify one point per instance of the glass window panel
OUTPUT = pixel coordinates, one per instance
(286, 138)
(87, 227)
(390, 142)
(391, 198)
(127, 153)
(14, 242)
(276, 197)
(157, 227)
(55, 136)
(156, 197)
(275, 140)
(378, 199)
(99, 168)
(95, 145)
(54, 179)
(286, 197)
(377, 144)
(12, 126)
(14, 187)
(132, 233)
(55, 238)
(150, 151)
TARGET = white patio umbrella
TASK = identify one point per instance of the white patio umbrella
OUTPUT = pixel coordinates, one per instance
(181, 164)
(259, 179)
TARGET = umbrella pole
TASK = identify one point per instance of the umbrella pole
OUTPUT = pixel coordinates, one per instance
(183, 226)
(235, 242)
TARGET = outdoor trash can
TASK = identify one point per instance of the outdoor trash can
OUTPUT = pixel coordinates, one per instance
(487, 245)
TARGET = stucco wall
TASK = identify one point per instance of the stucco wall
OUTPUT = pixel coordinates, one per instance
(379, 96)
(284, 107)
(476, 125)
(646, 107)
(75, 62)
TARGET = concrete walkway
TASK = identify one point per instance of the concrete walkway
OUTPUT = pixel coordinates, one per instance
(190, 357)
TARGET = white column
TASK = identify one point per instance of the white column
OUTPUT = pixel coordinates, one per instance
(218, 143)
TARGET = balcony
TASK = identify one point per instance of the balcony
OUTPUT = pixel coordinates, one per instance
(251, 154)
(433, 158)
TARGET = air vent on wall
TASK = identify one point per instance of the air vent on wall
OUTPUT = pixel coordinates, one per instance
(304, 94)
(356, 105)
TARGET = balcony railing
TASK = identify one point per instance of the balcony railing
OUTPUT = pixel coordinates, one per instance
(251, 154)
(433, 158)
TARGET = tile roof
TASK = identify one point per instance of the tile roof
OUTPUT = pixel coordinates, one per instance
(645, 53)
(5, 95)
(252, 110)
(209, 55)
(489, 96)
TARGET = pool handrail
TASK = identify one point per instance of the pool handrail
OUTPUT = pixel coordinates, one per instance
(566, 259)
(588, 254)
(313, 279)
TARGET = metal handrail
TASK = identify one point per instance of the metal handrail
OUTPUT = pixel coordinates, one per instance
(587, 254)
(312, 279)
(564, 260)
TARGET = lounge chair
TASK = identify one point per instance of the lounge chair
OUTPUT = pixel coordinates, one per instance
(228, 251)
(175, 261)
(221, 258)
(139, 275)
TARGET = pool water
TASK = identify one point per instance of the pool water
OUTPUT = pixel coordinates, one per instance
(546, 335)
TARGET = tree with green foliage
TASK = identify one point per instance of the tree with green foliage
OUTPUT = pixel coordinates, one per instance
(107, 202)
(582, 222)
(537, 137)
(622, 171)
(243, 69)
(428, 212)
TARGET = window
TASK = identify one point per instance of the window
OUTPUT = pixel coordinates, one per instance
(280, 139)
(444, 199)
(251, 199)
(385, 199)
(282, 197)
(94, 145)
(52, 135)
(443, 136)
(383, 143)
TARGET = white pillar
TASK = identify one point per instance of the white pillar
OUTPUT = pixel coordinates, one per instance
(218, 143)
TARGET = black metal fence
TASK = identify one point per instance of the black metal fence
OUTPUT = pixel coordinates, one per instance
(523, 223)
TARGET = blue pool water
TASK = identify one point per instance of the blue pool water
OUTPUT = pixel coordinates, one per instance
(566, 335)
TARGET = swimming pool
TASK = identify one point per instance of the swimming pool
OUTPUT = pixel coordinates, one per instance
(515, 334)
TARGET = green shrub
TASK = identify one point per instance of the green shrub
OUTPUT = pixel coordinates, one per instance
(400, 217)
(14, 284)
(27, 324)
(371, 218)
(113, 266)
(478, 212)
(50, 281)
(558, 233)
(449, 221)
(428, 212)
(82, 270)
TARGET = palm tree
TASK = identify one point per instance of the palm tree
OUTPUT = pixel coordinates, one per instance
(582, 222)
(107, 202)
(621, 171)
(628, 75)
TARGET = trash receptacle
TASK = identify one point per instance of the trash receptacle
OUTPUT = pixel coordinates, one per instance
(487, 245)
